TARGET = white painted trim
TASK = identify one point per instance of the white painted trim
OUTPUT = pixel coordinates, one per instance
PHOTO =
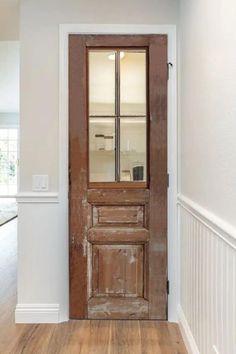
(170, 31)
(66, 29)
(218, 226)
(8, 196)
(188, 338)
(37, 197)
(37, 313)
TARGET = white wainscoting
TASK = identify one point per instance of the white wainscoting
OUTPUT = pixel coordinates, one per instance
(207, 311)
(42, 292)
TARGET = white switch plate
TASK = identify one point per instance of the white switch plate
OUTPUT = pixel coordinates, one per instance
(40, 183)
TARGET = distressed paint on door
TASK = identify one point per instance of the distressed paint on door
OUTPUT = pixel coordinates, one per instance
(118, 237)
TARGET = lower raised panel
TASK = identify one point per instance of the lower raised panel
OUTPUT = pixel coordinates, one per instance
(118, 270)
(117, 308)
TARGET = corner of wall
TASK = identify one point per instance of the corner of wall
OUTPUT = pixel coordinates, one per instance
(187, 335)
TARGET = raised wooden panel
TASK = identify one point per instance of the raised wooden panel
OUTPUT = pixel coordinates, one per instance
(118, 215)
(118, 235)
(117, 308)
(117, 270)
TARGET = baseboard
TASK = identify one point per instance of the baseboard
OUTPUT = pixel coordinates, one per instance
(186, 333)
(37, 313)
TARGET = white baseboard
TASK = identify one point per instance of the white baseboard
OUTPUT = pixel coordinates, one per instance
(186, 333)
(37, 313)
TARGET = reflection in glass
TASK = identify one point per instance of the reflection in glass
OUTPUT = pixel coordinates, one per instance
(101, 83)
(133, 83)
(102, 149)
(133, 149)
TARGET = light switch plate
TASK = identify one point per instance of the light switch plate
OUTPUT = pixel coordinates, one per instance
(40, 183)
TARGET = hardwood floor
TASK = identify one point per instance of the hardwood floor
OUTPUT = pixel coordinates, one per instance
(80, 337)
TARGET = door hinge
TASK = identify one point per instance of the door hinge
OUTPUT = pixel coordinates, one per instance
(168, 69)
(168, 180)
(69, 176)
(168, 287)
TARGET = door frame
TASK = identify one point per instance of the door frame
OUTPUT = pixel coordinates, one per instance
(173, 245)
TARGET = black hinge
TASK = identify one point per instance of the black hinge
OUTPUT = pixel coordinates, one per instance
(69, 181)
(168, 287)
(168, 69)
(168, 180)
(69, 176)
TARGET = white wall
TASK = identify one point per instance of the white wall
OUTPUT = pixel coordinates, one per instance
(208, 170)
(208, 90)
(43, 240)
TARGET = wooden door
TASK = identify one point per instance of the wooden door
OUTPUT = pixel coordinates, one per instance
(118, 214)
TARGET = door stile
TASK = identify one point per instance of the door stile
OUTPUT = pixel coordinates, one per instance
(79, 214)
(158, 181)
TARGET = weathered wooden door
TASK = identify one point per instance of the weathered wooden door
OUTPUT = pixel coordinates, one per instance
(118, 176)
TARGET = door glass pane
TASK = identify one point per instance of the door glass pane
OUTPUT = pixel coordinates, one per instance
(132, 83)
(101, 83)
(133, 144)
(102, 149)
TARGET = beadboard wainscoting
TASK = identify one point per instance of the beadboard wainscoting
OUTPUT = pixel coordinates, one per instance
(207, 311)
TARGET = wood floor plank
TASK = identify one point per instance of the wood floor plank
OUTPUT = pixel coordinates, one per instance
(125, 337)
(74, 337)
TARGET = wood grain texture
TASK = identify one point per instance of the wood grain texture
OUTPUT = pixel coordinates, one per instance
(117, 308)
(118, 215)
(118, 270)
(78, 207)
(92, 254)
(84, 337)
(125, 196)
(158, 178)
(118, 235)
(115, 185)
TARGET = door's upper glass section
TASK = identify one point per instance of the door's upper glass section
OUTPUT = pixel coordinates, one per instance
(133, 84)
(101, 83)
(102, 149)
(133, 149)
(117, 115)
